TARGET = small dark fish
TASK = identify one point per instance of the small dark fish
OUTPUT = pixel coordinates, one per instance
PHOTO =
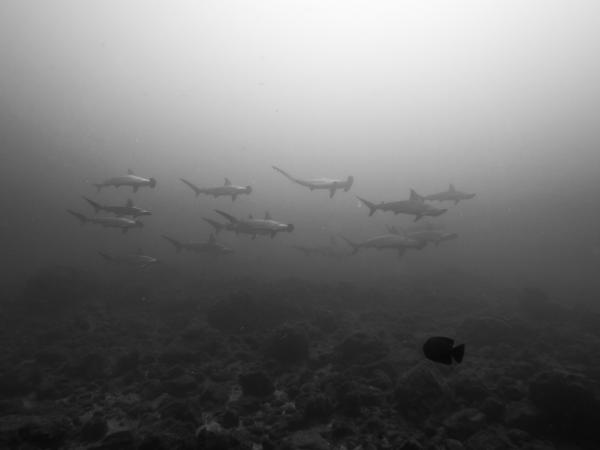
(441, 349)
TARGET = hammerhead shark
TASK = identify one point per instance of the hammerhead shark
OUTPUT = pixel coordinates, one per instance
(120, 210)
(450, 195)
(130, 179)
(415, 205)
(329, 184)
(136, 260)
(211, 246)
(387, 241)
(431, 235)
(251, 226)
(124, 223)
(227, 189)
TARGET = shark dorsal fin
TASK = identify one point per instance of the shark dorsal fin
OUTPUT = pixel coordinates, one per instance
(451, 188)
(227, 182)
(267, 215)
(212, 238)
(129, 172)
(129, 203)
(414, 197)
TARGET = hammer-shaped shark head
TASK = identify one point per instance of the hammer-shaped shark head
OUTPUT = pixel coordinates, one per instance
(152, 182)
(248, 190)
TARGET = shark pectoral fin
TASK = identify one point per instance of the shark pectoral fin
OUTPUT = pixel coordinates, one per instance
(418, 216)
(401, 252)
(331, 192)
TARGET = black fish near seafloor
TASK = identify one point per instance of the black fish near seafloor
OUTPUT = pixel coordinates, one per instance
(442, 350)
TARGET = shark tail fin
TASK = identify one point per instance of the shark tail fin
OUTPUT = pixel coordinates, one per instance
(192, 186)
(82, 219)
(372, 206)
(354, 245)
(216, 225)
(349, 183)
(284, 173)
(416, 197)
(175, 243)
(97, 207)
(458, 353)
(227, 216)
(105, 256)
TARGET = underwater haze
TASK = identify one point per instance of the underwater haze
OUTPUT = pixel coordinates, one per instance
(496, 99)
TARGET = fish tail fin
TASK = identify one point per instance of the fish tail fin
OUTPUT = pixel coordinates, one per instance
(82, 219)
(415, 197)
(284, 173)
(175, 243)
(227, 216)
(192, 186)
(216, 225)
(97, 207)
(372, 206)
(105, 256)
(349, 183)
(354, 245)
(458, 353)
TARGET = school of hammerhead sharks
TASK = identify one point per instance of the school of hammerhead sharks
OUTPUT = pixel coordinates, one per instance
(417, 236)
